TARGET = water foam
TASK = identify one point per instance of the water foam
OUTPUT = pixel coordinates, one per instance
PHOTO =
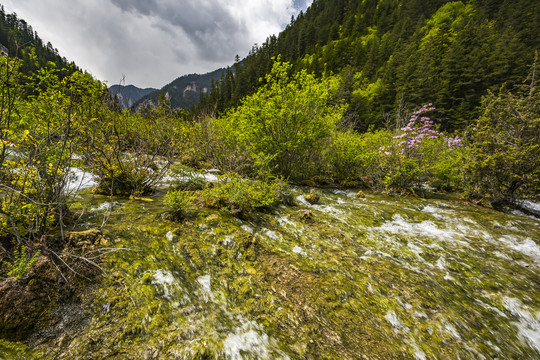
(247, 339)
(528, 323)
(79, 179)
(165, 280)
(206, 289)
(527, 247)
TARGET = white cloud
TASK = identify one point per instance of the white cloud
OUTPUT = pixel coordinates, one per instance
(153, 41)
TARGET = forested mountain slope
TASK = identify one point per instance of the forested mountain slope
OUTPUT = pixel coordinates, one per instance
(395, 53)
(24, 43)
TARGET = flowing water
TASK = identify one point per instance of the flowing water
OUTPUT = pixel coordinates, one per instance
(377, 277)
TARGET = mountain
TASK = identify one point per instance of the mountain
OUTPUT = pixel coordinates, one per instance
(184, 92)
(399, 54)
(129, 95)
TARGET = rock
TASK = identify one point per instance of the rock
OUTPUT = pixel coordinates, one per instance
(312, 197)
(170, 236)
(24, 302)
(84, 238)
(360, 194)
(307, 215)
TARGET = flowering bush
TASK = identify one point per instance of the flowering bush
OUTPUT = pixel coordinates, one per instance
(420, 154)
(420, 130)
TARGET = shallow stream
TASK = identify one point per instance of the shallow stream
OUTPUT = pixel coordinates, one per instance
(377, 277)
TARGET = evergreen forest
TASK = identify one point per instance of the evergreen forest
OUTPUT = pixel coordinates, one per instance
(393, 54)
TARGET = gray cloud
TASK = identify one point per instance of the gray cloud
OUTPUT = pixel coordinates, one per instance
(153, 42)
(209, 25)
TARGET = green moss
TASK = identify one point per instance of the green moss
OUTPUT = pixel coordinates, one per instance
(365, 276)
(14, 351)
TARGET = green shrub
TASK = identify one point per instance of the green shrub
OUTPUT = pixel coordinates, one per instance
(244, 195)
(126, 175)
(445, 166)
(178, 202)
(505, 150)
(284, 127)
(187, 179)
(36, 144)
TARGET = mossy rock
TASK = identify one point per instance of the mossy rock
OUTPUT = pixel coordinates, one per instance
(309, 183)
(313, 198)
(85, 238)
(26, 302)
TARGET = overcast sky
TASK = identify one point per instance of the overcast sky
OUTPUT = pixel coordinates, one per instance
(152, 42)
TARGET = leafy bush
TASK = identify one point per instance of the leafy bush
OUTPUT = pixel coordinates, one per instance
(353, 156)
(284, 127)
(187, 179)
(36, 151)
(125, 174)
(124, 151)
(445, 169)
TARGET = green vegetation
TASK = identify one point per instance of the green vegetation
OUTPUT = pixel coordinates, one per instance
(243, 195)
(342, 106)
(388, 53)
(292, 127)
(505, 145)
(178, 201)
(284, 127)
(61, 123)
(293, 286)
(22, 262)
(186, 178)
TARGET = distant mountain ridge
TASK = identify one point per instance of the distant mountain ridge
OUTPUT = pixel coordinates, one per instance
(184, 92)
(130, 94)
